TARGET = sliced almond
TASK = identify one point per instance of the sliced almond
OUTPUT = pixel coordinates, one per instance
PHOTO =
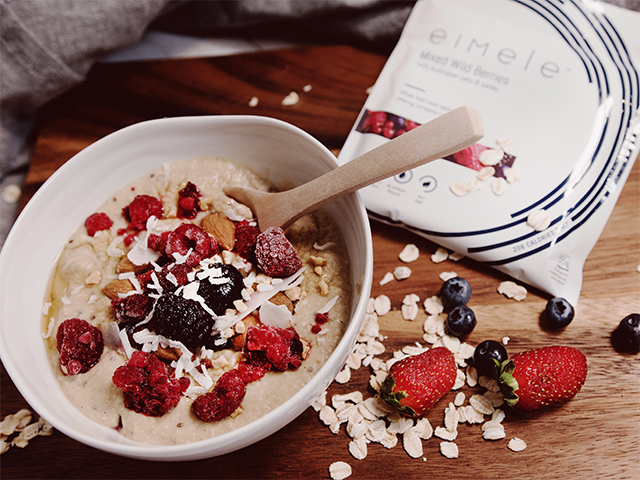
(221, 228)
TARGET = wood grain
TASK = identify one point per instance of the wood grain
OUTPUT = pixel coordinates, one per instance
(596, 435)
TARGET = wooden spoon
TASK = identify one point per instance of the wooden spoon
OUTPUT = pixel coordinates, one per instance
(438, 138)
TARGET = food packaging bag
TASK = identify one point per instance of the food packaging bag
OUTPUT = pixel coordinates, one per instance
(556, 84)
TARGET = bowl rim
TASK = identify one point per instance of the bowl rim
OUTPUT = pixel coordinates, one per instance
(235, 439)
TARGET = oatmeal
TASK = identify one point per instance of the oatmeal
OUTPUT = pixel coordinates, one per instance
(172, 318)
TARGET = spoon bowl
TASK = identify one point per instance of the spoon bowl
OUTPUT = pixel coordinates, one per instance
(436, 139)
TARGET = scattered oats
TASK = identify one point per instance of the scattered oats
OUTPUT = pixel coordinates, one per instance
(460, 380)
(433, 305)
(466, 351)
(344, 412)
(472, 415)
(291, 99)
(412, 443)
(486, 173)
(449, 449)
(371, 306)
(369, 89)
(327, 415)
(512, 175)
(503, 141)
(499, 186)
(431, 338)
(15, 422)
(444, 276)
(491, 424)
(410, 312)
(335, 427)
(505, 341)
(409, 253)
(512, 290)
(354, 360)
(452, 343)
(343, 375)
(423, 429)
(498, 415)
(516, 444)
(496, 398)
(340, 470)
(354, 397)
(458, 401)
(253, 102)
(388, 278)
(539, 220)
(307, 88)
(4, 445)
(460, 189)
(491, 156)
(445, 434)
(494, 433)
(462, 415)
(413, 350)
(492, 385)
(399, 424)
(93, 278)
(358, 448)
(11, 194)
(402, 273)
(320, 401)
(455, 256)
(357, 429)
(481, 404)
(382, 305)
(389, 441)
(440, 255)
(451, 417)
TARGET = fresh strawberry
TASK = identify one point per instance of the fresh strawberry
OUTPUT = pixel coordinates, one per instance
(541, 377)
(414, 384)
(470, 156)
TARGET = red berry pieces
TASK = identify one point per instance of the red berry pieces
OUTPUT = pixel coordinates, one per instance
(470, 156)
(275, 255)
(158, 243)
(245, 240)
(133, 308)
(223, 400)
(80, 345)
(188, 201)
(140, 209)
(97, 222)
(188, 236)
(321, 319)
(280, 347)
(146, 385)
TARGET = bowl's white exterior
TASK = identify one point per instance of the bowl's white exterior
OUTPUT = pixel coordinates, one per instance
(276, 150)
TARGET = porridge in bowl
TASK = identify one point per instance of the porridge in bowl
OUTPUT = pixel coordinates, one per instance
(171, 318)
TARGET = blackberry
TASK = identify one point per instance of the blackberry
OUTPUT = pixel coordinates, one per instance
(558, 313)
(485, 354)
(455, 291)
(461, 321)
(221, 297)
(184, 320)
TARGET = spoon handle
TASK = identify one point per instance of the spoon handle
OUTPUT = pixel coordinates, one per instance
(438, 138)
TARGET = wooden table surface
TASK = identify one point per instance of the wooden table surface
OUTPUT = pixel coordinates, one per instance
(596, 435)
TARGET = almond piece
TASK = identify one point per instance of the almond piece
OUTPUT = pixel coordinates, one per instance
(239, 339)
(222, 229)
(115, 287)
(281, 299)
(125, 265)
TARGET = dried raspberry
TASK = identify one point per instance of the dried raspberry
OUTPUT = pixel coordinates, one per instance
(316, 328)
(280, 347)
(133, 308)
(158, 243)
(129, 239)
(146, 385)
(188, 236)
(275, 255)
(223, 400)
(245, 240)
(80, 345)
(322, 318)
(470, 156)
(188, 201)
(250, 372)
(177, 272)
(140, 209)
(97, 222)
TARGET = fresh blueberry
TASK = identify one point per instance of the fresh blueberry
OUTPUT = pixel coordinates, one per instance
(455, 291)
(558, 313)
(486, 353)
(461, 321)
(626, 337)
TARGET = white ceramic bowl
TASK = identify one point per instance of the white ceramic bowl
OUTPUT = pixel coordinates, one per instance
(276, 150)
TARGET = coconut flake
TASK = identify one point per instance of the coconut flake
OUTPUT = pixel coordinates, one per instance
(275, 315)
(329, 305)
